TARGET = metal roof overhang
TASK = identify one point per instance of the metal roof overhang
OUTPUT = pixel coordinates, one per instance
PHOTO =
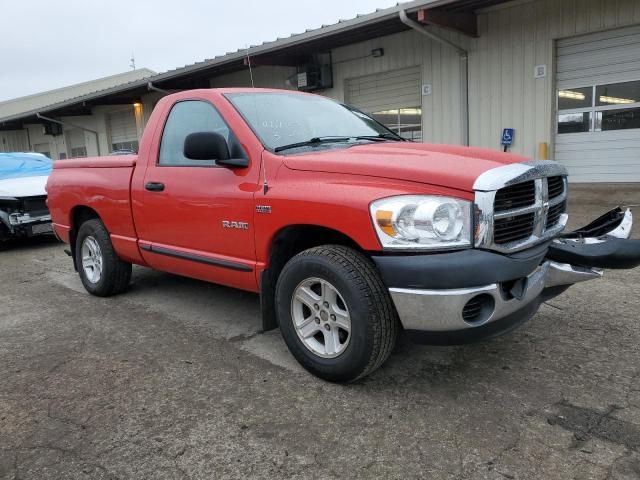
(283, 51)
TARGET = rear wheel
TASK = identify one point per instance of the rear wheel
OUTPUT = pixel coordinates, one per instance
(335, 313)
(101, 271)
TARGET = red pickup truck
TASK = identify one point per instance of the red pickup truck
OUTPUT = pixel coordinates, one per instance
(347, 231)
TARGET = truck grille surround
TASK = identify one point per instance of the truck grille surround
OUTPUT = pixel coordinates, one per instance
(520, 205)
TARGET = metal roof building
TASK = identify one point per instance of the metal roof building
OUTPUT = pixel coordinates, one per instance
(564, 75)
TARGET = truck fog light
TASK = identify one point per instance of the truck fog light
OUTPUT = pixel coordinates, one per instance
(479, 309)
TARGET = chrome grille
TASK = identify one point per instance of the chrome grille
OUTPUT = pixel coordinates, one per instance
(520, 205)
(553, 217)
(511, 229)
(556, 187)
(516, 196)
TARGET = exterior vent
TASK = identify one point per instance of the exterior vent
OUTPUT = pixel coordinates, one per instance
(556, 187)
(516, 196)
(512, 229)
(553, 217)
(478, 309)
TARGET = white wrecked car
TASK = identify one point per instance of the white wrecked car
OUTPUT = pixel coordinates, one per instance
(23, 207)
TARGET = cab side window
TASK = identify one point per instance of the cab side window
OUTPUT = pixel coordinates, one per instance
(188, 117)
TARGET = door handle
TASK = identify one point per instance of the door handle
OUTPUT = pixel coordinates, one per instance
(154, 186)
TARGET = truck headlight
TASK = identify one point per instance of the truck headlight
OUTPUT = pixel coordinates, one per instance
(422, 222)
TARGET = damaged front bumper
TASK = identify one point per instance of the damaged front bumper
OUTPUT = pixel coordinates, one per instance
(22, 224)
(467, 296)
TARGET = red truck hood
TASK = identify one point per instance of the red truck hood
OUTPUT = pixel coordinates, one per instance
(444, 165)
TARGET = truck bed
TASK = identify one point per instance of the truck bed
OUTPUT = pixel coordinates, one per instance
(98, 184)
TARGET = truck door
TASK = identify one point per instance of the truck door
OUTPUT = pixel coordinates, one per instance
(195, 218)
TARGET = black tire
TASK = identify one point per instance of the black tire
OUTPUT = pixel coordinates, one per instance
(116, 274)
(374, 322)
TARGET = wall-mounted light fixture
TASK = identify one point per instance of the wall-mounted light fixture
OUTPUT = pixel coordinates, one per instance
(377, 52)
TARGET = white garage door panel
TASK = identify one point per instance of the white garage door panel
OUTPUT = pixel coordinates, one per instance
(612, 160)
(596, 176)
(122, 126)
(601, 75)
(592, 60)
(605, 37)
(621, 139)
(397, 88)
(600, 159)
(610, 56)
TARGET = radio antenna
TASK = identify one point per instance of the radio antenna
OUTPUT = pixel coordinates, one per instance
(250, 69)
(265, 185)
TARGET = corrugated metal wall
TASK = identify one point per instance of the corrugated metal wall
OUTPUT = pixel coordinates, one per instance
(14, 141)
(513, 40)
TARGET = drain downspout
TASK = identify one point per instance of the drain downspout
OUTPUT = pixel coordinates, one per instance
(53, 120)
(152, 88)
(464, 69)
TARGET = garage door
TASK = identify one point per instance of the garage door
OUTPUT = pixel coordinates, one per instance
(123, 131)
(76, 143)
(393, 98)
(598, 100)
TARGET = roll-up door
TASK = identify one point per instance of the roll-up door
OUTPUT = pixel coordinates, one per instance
(123, 130)
(76, 144)
(598, 100)
(393, 98)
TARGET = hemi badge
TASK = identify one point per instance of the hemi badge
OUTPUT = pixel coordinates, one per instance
(263, 208)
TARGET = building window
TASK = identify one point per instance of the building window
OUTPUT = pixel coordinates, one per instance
(599, 108)
(574, 122)
(575, 98)
(121, 147)
(618, 94)
(406, 122)
(622, 119)
(42, 148)
(78, 152)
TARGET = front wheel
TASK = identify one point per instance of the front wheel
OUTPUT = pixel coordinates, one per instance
(101, 271)
(335, 313)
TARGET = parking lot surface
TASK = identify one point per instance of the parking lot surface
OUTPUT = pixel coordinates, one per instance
(173, 380)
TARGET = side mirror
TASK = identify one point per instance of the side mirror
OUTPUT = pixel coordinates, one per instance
(211, 146)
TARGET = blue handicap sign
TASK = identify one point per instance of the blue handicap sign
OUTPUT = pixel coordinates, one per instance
(507, 136)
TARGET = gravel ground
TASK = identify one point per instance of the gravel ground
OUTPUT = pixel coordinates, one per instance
(172, 380)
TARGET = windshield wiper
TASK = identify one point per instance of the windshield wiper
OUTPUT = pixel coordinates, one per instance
(312, 141)
(380, 138)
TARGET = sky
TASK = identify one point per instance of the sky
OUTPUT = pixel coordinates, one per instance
(50, 44)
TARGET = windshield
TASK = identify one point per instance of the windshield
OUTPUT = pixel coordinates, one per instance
(284, 120)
